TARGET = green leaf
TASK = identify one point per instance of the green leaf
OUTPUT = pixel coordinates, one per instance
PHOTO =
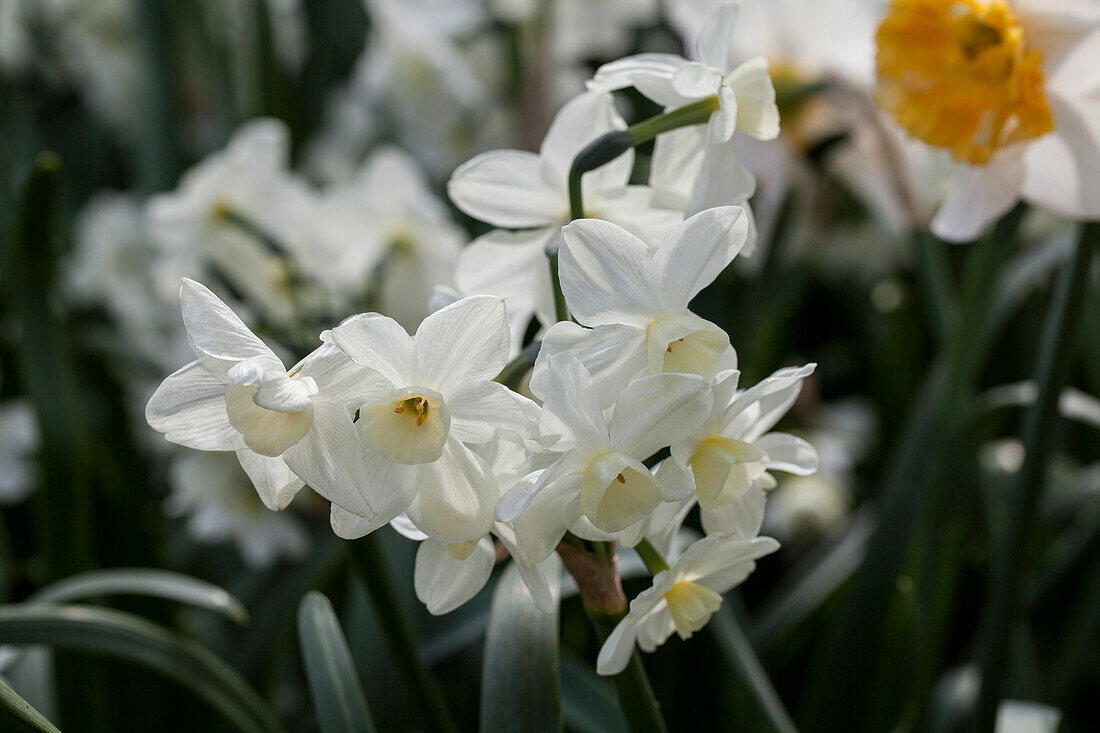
(521, 677)
(23, 710)
(589, 702)
(738, 655)
(337, 694)
(136, 640)
(144, 582)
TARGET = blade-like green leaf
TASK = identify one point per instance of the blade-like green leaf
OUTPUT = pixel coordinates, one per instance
(143, 643)
(589, 704)
(521, 677)
(740, 659)
(337, 694)
(23, 710)
(144, 582)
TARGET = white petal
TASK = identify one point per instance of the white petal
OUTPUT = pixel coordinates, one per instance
(713, 44)
(281, 393)
(742, 517)
(508, 188)
(443, 583)
(696, 252)
(481, 409)
(1063, 167)
(512, 265)
(215, 330)
(455, 496)
(571, 414)
(381, 344)
(695, 81)
(678, 162)
(332, 459)
(788, 453)
(657, 411)
(274, 481)
(757, 113)
(756, 410)
(724, 179)
(604, 274)
(617, 649)
(337, 377)
(404, 527)
(980, 195)
(580, 121)
(466, 341)
(555, 506)
(731, 560)
(649, 73)
(612, 354)
(677, 483)
(350, 526)
(189, 408)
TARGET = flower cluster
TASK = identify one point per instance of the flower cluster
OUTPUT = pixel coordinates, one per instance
(635, 413)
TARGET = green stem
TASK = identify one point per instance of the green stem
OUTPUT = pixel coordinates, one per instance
(369, 559)
(561, 310)
(636, 699)
(653, 559)
(1055, 355)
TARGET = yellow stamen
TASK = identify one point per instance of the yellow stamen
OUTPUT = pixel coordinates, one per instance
(958, 74)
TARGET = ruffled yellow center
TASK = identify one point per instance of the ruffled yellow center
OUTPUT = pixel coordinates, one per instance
(958, 74)
(409, 427)
(691, 605)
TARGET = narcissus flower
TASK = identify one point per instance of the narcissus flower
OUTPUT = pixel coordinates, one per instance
(684, 597)
(1009, 88)
(238, 396)
(633, 298)
(427, 398)
(733, 449)
(600, 472)
(742, 99)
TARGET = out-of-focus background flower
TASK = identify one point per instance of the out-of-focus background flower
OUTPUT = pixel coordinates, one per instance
(293, 156)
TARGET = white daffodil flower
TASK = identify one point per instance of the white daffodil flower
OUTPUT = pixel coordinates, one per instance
(600, 473)
(402, 238)
(528, 192)
(1010, 89)
(429, 397)
(238, 396)
(684, 597)
(241, 212)
(743, 99)
(448, 575)
(632, 299)
(209, 490)
(733, 451)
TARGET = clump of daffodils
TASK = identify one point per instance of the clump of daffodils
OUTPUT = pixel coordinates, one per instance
(635, 411)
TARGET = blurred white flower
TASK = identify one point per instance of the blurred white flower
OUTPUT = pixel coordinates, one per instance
(1010, 90)
(401, 239)
(684, 597)
(631, 300)
(214, 496)
(18, 442)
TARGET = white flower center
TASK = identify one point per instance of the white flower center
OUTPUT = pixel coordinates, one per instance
(691, 605)
(617, 491)
(685, 344)
(410, 426)
(724, 469)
